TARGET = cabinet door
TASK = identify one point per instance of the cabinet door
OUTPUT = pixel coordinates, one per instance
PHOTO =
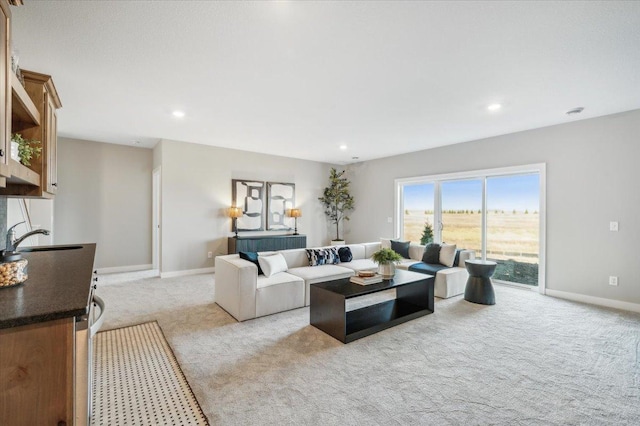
(36, 374)
(51, 136)
(5, 87)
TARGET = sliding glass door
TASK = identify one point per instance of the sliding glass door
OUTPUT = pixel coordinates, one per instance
(513, 223)
(498, 213)
(461, 214)
(417, 210)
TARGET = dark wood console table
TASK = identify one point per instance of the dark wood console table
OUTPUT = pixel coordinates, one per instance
(266, 243)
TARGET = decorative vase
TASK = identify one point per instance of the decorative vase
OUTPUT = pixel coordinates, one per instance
(387, 270)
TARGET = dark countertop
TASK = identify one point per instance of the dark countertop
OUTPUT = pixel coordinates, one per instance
(59, 286)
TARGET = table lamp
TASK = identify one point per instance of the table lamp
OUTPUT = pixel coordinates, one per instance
(295, 214)
(234, 214)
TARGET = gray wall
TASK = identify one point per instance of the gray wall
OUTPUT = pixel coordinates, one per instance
(196, 191)
(591, 180)
(104, 196)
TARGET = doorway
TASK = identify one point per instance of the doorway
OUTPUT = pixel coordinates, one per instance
(156, 231)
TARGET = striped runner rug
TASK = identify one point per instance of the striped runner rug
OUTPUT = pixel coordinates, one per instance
(137, 380)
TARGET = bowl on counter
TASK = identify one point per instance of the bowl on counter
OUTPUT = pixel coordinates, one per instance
(13, 272)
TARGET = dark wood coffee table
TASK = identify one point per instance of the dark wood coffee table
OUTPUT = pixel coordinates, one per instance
(414, 298)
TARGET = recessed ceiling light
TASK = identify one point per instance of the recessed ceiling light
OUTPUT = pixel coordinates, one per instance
(136, 142)
(178, 114)
(577, 110)
(343, 147)
(494, 107)
(355, 158)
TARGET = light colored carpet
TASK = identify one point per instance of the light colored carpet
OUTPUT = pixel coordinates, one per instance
(138, 381)
(528, 360)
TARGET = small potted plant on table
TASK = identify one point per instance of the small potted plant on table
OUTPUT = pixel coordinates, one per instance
(386, 260)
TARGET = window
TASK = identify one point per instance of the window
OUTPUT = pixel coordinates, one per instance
(498, 213)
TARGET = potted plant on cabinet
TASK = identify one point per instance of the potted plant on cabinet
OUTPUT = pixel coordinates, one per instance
(337, 201)
(26, 148)
(386, 259)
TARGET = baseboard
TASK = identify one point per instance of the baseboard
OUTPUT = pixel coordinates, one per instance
(117, 269)
(600, 301)
(187, 272)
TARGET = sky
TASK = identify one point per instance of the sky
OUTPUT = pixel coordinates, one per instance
(519, 192)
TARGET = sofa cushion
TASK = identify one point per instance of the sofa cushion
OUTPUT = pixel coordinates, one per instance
(447, 254)
(431, 253)
(278, 293)
(345, 254)
(319, 274)
(361, 265)
(401, 247)
(426, 268)
(357, 251)
(323, 256)
(252, 257)
(313, 274)
(273, 264)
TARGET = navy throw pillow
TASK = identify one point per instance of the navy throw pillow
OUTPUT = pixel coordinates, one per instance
(252, 257)
(401, 247)
(345, 254)
(431, 254)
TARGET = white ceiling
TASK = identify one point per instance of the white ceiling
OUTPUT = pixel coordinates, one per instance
(301, 78)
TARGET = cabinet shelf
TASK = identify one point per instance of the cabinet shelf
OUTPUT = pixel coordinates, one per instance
(24, 111)
(22, 175)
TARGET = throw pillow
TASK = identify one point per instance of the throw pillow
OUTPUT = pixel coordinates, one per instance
(273, 264)
(325, 256)
(401, 247)
(456, 261)
(447, 254)
(345, 254)
(252, 257)
(431, 254)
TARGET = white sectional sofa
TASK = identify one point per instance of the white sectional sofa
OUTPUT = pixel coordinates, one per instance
(246, 295)
(449, 281)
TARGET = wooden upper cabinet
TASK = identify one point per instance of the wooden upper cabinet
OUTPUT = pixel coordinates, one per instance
(39, 180)
(5, 89)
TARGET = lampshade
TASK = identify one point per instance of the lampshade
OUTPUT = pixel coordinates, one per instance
(295, 213)
(235, 212)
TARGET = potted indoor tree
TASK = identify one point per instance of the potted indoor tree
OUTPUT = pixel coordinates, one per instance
(337, 201)
(386, 259)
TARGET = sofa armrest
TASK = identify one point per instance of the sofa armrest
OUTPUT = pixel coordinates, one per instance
(236, 285)
(466, 255)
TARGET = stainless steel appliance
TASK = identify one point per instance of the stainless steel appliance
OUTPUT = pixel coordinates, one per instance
(86, 327)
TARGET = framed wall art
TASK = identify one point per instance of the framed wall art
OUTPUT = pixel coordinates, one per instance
(281, 197)
(249, 196)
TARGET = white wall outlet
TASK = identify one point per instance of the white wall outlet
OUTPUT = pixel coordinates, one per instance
(613, 280)
(210, 255)
(389, 219)
(613, 226)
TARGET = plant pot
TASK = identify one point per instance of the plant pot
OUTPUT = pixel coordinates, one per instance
(387, 270)
(14, 151)
(337, 242)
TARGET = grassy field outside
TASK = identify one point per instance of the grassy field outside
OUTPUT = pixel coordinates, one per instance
(512, 238)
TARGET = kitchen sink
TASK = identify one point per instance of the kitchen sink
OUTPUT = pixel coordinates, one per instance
(47, 248)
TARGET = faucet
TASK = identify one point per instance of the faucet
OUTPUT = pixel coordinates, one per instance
(13, 243)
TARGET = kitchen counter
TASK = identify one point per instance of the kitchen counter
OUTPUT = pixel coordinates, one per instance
(59, 286)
